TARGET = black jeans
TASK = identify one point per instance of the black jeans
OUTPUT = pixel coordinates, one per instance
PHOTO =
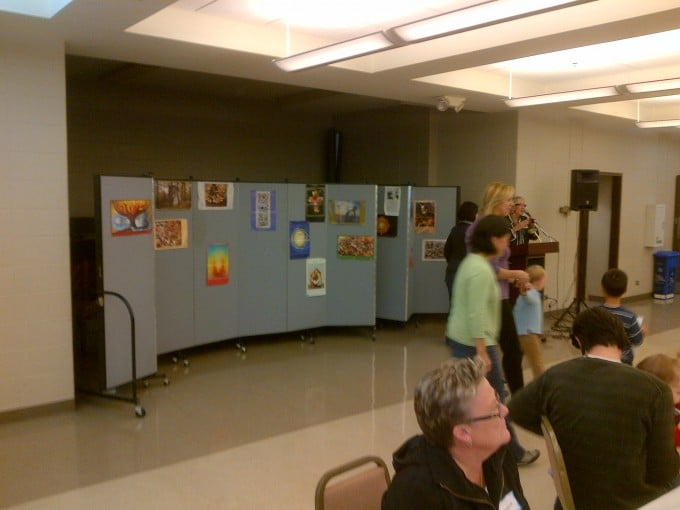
(512, 353)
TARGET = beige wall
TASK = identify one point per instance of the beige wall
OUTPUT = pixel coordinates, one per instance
(547, 150)
(130, 132)
(35, 304)
(474, 149)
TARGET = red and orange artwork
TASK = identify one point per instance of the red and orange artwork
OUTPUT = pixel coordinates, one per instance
(130, 217)
(218, 264)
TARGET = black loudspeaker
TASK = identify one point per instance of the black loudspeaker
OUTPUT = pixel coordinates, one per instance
(585, 186)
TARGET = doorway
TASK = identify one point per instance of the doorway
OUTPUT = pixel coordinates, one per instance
(676, 216)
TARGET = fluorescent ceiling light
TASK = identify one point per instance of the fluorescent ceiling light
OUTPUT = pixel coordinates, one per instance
(335, 52)
(624, 52)
(477, 16)
(561, 97)
(38, 8)
(658, 123)
(653, 86)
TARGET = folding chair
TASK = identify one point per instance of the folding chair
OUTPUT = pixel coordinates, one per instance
(559, 470)
(360, 490)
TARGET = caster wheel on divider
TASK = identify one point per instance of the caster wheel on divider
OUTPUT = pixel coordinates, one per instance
(166, 381)
(175, 360)
(139, 411)
(302, 338)
(311, 340)
(146, 383)
(186, 363)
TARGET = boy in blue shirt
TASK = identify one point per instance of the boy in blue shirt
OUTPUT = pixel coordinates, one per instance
(528, 313)
(614, 285)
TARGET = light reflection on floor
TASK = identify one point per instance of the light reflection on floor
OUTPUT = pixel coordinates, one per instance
(256, 430)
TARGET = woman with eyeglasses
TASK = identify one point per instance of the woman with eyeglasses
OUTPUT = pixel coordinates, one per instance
(460, 461)
(521, 223)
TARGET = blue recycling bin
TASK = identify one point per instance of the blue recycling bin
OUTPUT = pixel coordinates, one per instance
(665, 274)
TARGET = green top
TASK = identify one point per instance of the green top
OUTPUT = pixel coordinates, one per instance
(475, 303)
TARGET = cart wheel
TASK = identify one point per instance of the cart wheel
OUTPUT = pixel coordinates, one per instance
(166, 381)
(302, 338)
(174, 359)
(139, 411)
(186, 362)
(311, 339)
(373, 336)
(146, 383)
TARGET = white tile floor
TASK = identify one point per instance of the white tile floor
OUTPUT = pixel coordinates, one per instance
(253, 431)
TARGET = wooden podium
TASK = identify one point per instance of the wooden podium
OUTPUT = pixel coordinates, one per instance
(524, 255)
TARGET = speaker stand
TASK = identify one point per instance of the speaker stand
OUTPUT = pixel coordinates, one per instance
(581, 261)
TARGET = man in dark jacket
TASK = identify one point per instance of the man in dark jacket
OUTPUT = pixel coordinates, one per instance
(614, 423)
(460, 462)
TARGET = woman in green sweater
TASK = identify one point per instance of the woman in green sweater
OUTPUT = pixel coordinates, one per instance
(474, 322)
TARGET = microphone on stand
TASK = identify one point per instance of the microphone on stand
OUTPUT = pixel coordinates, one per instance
(532, 227)
(542, 231)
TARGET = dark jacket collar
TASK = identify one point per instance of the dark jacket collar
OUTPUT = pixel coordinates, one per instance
(448, 475)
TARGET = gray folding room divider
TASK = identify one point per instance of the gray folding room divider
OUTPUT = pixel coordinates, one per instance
(411, 263)
(262, 288)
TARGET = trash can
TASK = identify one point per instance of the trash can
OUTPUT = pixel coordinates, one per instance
(665, 274)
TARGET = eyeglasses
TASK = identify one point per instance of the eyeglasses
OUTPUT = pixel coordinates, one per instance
(523, 205)
(497, 414)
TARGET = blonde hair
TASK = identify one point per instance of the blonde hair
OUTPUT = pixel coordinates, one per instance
(443, 397)
(664, 367)
(535, 272)
(495, 194)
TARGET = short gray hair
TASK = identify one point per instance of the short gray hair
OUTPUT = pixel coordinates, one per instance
(443, 397)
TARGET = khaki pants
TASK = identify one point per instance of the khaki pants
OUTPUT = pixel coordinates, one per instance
(531, 346)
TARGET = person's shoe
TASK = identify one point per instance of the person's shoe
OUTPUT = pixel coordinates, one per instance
(528, 457)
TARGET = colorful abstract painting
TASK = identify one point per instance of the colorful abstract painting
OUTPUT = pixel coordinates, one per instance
(218, 264)
(131, 217)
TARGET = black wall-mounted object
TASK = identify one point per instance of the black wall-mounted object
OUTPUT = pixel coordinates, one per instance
(584, 190)
(333, 155)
